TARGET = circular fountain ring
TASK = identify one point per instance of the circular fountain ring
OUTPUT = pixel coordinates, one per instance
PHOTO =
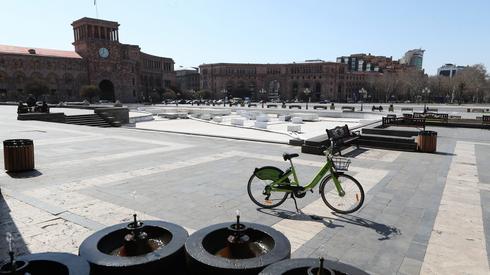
(301, 267)
(202, 246)
(97, 249)
(20, 268)
(54, 263)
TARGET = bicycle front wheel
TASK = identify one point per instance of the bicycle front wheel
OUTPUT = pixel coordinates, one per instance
(259, 190)
(346, 203)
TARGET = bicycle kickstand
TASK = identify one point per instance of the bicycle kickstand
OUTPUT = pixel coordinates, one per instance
(298, 211)
(295, 203)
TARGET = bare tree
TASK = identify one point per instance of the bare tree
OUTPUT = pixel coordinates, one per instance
(471, 83)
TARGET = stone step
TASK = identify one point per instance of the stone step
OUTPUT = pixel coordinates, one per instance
(87, 120)
(389, 145)
(389, 132)
(321, 140)
(383, 138)
(314, 150)
(95, 124)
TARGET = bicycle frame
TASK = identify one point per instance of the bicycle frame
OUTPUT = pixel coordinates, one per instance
(328, 167)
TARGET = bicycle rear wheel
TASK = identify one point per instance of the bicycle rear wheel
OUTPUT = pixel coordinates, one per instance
(259, 189)
(349, 202)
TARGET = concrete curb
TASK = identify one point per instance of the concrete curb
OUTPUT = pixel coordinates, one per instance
(211, 136)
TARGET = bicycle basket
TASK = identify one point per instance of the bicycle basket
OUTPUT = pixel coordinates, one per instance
(341, 163)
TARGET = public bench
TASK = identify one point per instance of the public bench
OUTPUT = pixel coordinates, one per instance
(380, 108)
(403, 121)
(485, 119)
(320, 107)
(341, 137)
(294, 106)
(348, 108)
(271, 105)
(407, 109)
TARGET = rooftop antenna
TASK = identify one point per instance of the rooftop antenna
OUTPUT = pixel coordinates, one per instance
(96, 10)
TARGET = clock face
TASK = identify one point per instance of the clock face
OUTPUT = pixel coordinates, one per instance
(103, 52)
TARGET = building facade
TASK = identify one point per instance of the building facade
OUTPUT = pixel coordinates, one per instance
(325, 80)
(370, 63)
(449, 70)
(188, 79)
(121, 71)
(413, 58)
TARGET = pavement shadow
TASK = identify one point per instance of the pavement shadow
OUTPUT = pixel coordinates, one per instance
(444, 154)
(386, 232)
(24, 175)
(356, 152)
(7, 224)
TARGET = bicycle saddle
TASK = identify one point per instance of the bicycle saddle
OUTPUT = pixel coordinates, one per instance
(287, 156)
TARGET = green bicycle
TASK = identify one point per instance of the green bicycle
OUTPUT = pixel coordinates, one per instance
(269, 186)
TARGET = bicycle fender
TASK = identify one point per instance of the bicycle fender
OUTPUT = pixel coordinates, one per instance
(268, 173)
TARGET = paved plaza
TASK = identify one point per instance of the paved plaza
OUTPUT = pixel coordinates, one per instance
(423, 214)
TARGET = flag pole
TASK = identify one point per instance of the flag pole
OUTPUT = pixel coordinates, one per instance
(96, 10)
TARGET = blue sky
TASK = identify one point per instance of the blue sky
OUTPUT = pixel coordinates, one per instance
(193, 32)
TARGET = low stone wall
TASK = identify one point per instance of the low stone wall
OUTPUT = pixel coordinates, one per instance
(49, 117)
(120, 114)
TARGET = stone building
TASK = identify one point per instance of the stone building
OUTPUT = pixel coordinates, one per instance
(121, 71)
(325, 80)
(188, 79)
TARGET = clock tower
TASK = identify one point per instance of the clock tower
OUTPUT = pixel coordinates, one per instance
(97, 42)
(121, 71)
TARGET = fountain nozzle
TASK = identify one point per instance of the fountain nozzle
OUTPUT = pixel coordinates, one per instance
(320, 269)
(13, 267)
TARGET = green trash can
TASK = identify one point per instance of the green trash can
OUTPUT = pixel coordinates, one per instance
(18, 155)
(427, 141)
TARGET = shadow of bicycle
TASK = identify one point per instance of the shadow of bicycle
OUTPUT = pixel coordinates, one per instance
(386, 232)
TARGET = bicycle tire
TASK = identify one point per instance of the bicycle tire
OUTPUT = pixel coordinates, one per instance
(358, 194)
(255, 200)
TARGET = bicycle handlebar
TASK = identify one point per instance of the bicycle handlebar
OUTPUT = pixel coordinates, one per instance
(328, 151)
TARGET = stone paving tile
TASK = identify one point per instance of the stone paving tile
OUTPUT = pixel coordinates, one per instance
(388, 235)
(410, 266)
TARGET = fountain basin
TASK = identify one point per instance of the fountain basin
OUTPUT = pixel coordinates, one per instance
(103, 250)
(51, 263)
(204, 250)
(310, 266)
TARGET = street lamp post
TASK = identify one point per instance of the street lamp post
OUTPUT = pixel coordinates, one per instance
(177, 100)
(307, 93)
(425, 94)
(224, 92)
(262, 92)
(363, 94)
